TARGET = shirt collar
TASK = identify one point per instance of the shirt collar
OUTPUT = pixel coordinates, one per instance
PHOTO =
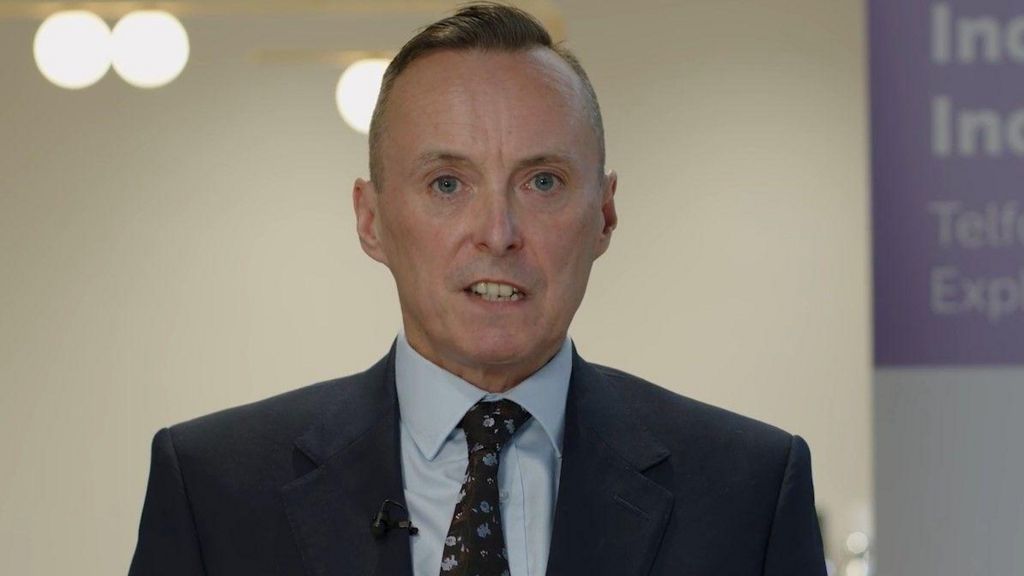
(432, 400)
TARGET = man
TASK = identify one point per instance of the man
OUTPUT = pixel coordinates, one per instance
(509, 454)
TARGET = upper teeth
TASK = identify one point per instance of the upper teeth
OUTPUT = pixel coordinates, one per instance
(493, 289)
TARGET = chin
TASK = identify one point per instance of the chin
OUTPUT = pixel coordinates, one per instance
(497, 348)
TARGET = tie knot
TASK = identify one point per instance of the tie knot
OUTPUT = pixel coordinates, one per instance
(491, 424)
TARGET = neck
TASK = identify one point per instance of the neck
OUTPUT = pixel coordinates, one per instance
(497, 377)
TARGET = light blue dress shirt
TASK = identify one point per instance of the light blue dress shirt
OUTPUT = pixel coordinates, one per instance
(432, 402)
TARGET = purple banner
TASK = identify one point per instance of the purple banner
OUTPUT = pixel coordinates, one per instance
(947, 121)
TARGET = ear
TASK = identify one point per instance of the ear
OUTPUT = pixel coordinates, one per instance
(365, 203)
(610, 218)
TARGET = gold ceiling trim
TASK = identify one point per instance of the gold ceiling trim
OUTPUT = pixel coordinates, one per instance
(336, 58)
(544, 10)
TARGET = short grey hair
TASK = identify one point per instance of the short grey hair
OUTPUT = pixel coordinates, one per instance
(480, 26)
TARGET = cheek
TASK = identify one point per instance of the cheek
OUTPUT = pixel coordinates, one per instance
(584, 250)
(401, 229)
(417, 249)
(568, 261)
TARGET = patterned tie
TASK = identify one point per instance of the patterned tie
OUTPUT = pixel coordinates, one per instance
(475, 544)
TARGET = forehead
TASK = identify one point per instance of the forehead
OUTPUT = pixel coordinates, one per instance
(480, 103)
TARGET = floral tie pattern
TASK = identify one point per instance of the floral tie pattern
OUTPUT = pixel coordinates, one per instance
(475, 545)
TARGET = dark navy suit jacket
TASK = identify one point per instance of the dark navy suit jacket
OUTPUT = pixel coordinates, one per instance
(652, 483)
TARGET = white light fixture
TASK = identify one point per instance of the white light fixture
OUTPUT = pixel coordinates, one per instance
(356, 94)
(72, 49)
(150, 48)
(857, 567)
(857, 543)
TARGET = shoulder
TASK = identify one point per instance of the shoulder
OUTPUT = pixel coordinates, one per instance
(741, 489)
(687, 426)
(284, 415)
(259, 437)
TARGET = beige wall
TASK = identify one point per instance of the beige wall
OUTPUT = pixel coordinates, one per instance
(168, 253)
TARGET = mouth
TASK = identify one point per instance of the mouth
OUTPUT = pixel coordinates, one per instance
(492, 291)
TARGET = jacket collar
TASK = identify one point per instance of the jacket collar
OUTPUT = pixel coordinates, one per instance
(601, 409)
(359, 404)
(609, 516)
(355, 447)
(432, 400)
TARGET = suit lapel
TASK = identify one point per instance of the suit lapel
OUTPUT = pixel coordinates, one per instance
(356, 450)
(609, 517)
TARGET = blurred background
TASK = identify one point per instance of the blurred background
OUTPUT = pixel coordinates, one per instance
(170, 250)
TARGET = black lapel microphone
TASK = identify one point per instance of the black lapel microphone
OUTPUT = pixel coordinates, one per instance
(382, 522)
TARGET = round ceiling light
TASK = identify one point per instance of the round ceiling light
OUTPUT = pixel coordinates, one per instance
(356, 94)
(150, 48)
(72, 49)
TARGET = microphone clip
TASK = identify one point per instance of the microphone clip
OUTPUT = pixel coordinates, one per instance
(382, 521)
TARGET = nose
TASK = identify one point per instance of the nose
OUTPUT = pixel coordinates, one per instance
(496, 226)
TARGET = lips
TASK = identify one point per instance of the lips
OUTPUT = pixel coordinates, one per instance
(482, 285)
(496, 290)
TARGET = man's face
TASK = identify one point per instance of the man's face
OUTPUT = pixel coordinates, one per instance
(491, 176)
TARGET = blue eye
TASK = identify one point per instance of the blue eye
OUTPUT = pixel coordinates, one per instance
(544, 181)
(445, 185)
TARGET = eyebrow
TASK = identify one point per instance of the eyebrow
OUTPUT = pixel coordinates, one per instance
(440, 157)
(550, 159)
